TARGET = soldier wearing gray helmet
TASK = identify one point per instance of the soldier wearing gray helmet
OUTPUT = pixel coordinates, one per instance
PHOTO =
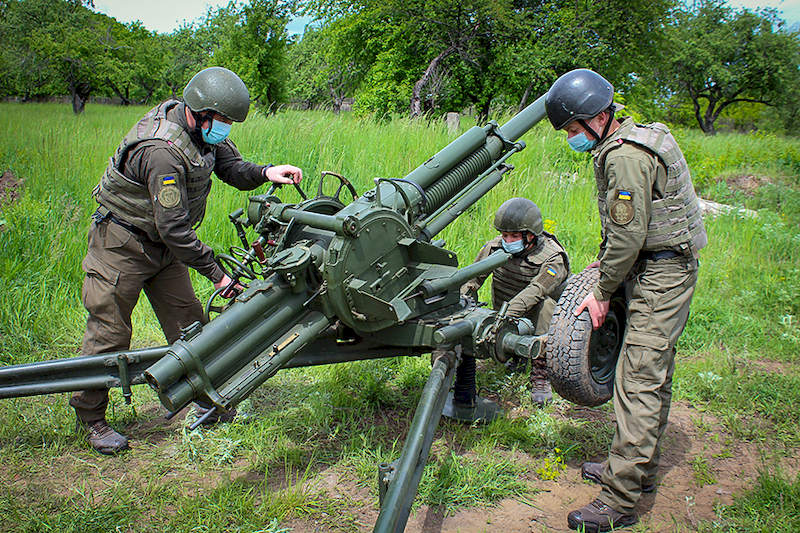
(531, 281)
(152, 196)
(652, 231)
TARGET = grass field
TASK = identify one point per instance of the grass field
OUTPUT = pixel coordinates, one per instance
(737, 378)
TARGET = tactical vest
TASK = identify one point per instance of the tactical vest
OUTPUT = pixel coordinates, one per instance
(676, 222)
(509, 279)
(129, 199)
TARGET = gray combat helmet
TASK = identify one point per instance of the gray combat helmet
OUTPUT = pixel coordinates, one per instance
(220, 90)
(519, 214)
(580, 94)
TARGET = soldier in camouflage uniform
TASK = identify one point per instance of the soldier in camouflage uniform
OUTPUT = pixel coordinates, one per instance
(151, 198)
(531, 281)
(652, 231)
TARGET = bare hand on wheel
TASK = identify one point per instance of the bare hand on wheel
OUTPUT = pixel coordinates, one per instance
(231, 291)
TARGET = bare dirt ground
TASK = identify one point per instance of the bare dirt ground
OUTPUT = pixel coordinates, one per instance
(747, 183)
(680, 503)
(9, 187)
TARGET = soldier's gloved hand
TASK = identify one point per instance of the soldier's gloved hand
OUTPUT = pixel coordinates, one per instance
(598, 309)
(231, 292)
(283, 174)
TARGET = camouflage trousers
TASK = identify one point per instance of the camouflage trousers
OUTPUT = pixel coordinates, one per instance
(658, 298)
(118, 266)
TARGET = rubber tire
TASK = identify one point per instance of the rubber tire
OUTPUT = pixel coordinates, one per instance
(581, 362)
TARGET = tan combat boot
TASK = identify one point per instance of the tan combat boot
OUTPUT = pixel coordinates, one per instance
(541, 393)
(594, 472)
(597, 516)
(103, 438)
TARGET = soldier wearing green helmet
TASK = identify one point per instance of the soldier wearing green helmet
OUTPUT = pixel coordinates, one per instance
(152, 197)
(531, 281)
(652, 231)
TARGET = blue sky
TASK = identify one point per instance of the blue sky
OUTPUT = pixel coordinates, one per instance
(166, 15)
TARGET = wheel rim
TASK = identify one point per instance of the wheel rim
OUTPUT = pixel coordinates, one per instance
(606, 343)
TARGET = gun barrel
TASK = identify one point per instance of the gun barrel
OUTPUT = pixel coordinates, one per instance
(448, 157)
(524, 120)
(461, 276)
(191, 370)
(476, 151)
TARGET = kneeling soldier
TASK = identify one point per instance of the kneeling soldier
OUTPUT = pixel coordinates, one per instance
(530, 281)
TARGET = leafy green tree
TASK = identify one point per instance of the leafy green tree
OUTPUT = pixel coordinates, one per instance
(75, 47)
(547, 38)
(323, 70)
(439, 55)
(251, 40)
(183, 55)
(134, 63)
(57, 46)
(26, 72)
(717, 57)
(305, 58)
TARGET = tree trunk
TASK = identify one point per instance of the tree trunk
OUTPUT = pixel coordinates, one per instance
(124, 98)
(708, 120)
(705, 121)
(336, 98)
(80, 93)
(416, 101)
(524, 100)
(483, 111)
(78, 103)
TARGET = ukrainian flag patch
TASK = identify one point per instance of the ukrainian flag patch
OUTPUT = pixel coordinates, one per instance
(624, 195)
(168, 180)
(551, 271)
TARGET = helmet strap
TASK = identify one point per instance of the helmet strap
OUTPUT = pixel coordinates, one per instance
(588, 128)
(610, 112)
(200, 117)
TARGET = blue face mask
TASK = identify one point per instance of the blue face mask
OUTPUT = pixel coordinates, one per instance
(513, 247)
(581, 143)
(217, 133)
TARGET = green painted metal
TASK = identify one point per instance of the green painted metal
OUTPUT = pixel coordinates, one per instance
(77, 373)
(463, 275)
(397, 501)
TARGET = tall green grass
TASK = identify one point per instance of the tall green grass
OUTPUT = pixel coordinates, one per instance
(749, 277)
(738, 357)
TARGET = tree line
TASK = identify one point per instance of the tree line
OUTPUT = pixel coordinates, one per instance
(681, 61)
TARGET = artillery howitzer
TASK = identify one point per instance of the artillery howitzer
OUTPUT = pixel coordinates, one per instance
(328, 282)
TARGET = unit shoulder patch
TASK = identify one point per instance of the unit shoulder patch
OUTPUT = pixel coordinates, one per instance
(621, 208)
(168, 195)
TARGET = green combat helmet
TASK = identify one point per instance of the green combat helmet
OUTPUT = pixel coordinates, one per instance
(519, 214)
(220, 90)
